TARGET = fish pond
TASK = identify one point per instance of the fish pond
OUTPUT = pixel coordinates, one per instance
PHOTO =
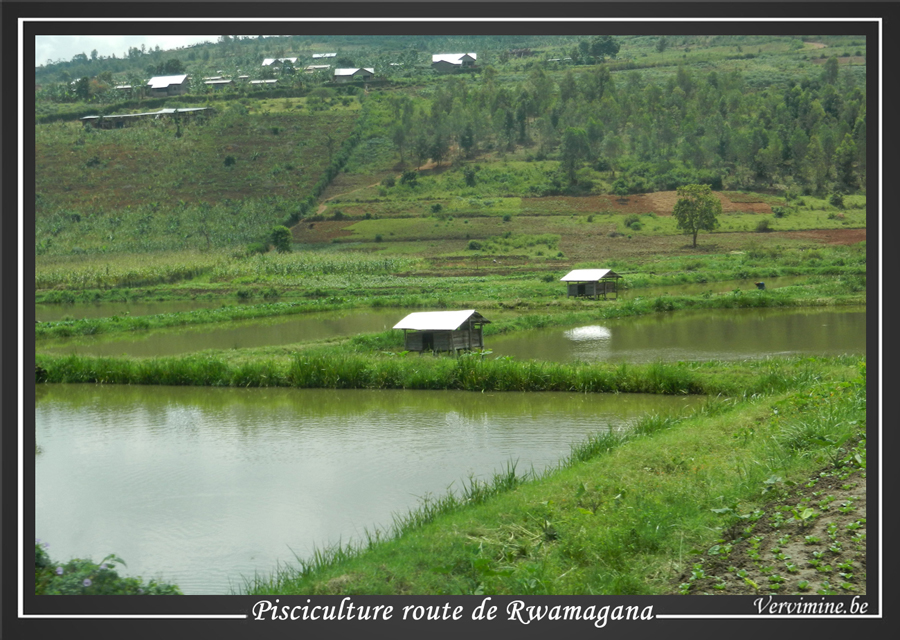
(206, 487)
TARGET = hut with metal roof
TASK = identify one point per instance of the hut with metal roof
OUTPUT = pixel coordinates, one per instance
(443, 330)
(591, 283)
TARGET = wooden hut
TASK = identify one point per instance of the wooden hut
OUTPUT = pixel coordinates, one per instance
(592, 283)
(443, 330)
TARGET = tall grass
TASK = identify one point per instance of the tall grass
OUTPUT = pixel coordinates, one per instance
(338, 370)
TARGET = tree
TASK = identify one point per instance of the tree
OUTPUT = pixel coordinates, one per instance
(281, 239)
(697, 209)
(575, 149)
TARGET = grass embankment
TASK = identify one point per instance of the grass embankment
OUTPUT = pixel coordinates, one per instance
(624, 514)
(492, 294)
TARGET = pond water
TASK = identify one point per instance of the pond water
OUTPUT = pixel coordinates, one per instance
(206, 487)
(684, 335)
(722, 334)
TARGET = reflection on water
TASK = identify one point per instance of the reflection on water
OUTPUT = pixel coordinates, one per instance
(730, 334)
(201, 486)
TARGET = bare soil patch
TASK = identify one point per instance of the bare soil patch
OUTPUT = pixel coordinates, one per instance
(829, 236)
(784, 554)
(660, 203)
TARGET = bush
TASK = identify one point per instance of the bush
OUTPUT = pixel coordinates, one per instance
(436, 207)
(281, 239)
(836, 200)
(389, 181)
(409, 177)
(85, 577)
(473, 245)
(763, 226)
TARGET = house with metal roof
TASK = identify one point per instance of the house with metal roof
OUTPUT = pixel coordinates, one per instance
(591, 283)
(351, 75)
(447, 62)
(313, 68)
(118, 121)
(219, 83)
(268, 62)
(317, 56)
(162, 86)
(443, 330)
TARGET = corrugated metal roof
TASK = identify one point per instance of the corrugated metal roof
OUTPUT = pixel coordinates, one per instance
(149, 113)
(323, 55)
(268, 61)
(452, 58)
(438, 320)
(161, 82)
(350, 72)
(588, 275)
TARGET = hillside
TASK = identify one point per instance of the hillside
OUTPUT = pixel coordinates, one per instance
(535, 155)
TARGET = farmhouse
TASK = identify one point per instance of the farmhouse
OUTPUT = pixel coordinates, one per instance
(121, 120)
(268, 62)
(591, 283)
(317, 56)
(443, 330)
(448, 62)
(264, 83)
(219, 83)
(351, 75)
(162, 86)
(313, 68)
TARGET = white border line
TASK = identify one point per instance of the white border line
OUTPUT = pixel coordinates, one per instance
(21, 403)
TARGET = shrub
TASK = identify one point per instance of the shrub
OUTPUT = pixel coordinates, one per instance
(473, 245)
(436, 207)
(763, 226)
(409, 177)
(389, 181)
(507, 217)
(281, 239)
(378, 237)
(836, 200)
(229, 161)
(85, 577)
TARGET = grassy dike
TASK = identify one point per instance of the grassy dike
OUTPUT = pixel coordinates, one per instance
(622, 515)
(558, 313)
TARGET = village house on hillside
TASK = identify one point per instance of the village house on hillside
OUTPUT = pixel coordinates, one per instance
(163, 86)
(352, 75)
(218, 83)
(443, 330)
(268, 62)
(448, 62)
(591, 283)
(118, 121)
(314, 68)
(318, 56)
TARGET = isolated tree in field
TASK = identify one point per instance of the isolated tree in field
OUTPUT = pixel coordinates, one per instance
(697, 209)
(281, 239)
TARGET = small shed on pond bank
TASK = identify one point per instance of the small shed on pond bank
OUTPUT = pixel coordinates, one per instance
(443, 330)
(591, 283)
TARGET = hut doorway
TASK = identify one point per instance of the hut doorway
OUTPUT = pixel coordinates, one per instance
(427, 341)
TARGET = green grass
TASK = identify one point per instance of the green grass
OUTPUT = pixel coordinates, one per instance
(620, 516)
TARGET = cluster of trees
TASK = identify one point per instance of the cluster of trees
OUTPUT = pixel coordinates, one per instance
(809, 134)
